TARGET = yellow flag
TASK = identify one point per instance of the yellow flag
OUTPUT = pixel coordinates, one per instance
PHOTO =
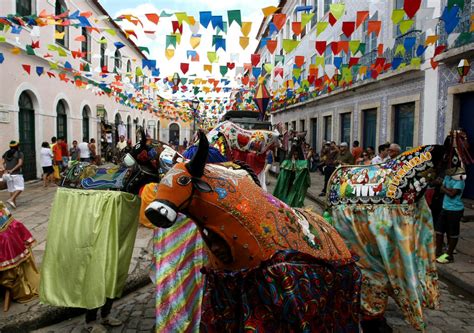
(267, 11)
(59, 35)
(290, 44)
(400, 49)
(212, 56)
(305, 18)
(430, 40)
(319, 61)
(320, 27)
(169, 53)
(195, 41)
(111, 32)
(405, 25)
(182, 16)
(337, 10)
(178, 38)
(246, 27)
(16, 50)
(191, 20)
(268, 67)
(244, 42)
(354, 46)
(416, 62)
(363, 70)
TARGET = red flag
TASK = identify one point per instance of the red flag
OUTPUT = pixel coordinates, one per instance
(344, 46)
(245, 80)
(279, 20)
(177, 27)
(348, 28)
(296, 27)
(439, 50)
(321, 46)
(50, 74)
(35, 45)
(153, 17)
(271, 46)
(335, 48)
(411, 7)
(299, 61)
(184, 67)
(131, 33)
(332, 19)
(27, 68)
(374, 26)
(311, 79)
(353, 61)
(255, 59)
(361, 17)
(434, 64)
(231, 65)
(279, 72)
(380, 49)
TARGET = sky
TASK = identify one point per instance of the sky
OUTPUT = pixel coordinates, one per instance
(250, 11)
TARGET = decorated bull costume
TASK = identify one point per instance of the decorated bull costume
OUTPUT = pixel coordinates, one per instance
(272, 268)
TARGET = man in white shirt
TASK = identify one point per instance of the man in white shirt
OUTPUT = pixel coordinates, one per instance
(382, 156)
(84, 151)
(121, 144)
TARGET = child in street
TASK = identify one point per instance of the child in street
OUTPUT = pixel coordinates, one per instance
(450, 217)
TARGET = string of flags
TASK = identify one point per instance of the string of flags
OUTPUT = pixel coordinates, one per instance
(345, 54)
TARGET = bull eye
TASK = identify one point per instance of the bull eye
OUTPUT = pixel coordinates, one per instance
(184, 180)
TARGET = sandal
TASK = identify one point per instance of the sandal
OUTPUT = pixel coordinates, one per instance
(444, 259)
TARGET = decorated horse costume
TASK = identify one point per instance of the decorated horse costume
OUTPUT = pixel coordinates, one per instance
(381, 213)
(272, 268)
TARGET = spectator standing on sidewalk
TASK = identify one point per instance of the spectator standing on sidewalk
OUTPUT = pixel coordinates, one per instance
(330, 166)
(46, 163)
(383, 154)
(393, 151)
(74, 151)
(93, 152)
(84, 151)
(57, 158)
(449, 220)
(356, 150)
(12, 162)
(344, 157)
(64, 151)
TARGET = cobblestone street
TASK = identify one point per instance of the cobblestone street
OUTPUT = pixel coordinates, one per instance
(138, 313)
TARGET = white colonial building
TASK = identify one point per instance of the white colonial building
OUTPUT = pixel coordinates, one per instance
(35, 107)
(411, 105)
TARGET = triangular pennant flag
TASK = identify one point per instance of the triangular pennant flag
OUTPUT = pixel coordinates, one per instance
(406, 25)
(353, 61)
(306, 18)
(184, 66)
(169, 53)
(181, 16)
(337, 10)
(246, 28)
(374, 27)
(450, 18)
(321, 46)
(205, 18)
(396, 62)
(271, 46)
(411, 7)
(255, 59)
(244, 42)
(397, 15)
(361, 17)
(279, 20)
(420, 50)
(195, 41)
(409, 43)
(223, 70)
(289, 45)
(299, 61)
(278, 72)
(212, 56)
(208, 68)
(430, 40)
(267, 11)
(338, 62)
(170, 40)
(296, 28)
(256, 71)
(39, 70)
(354, 46)
(335, 48)
(348, 28)
(152, 17)
(320, 27)
(332, 20)
(234, 16)
(268, 68)
(217, 22)
(362, 48)
(400, 49)
(279, 59)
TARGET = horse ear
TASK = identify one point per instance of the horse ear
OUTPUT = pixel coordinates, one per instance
(198, 162)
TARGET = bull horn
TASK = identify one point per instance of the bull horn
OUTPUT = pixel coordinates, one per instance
(198, 162)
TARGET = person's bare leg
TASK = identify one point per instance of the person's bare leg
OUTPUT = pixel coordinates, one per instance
(45, 180)
(15, 195)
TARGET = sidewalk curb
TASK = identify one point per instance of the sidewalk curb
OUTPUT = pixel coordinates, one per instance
(47, 315)
(454, 279)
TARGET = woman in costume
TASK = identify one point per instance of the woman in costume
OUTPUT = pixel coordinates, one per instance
(18, 272)
(294, 179)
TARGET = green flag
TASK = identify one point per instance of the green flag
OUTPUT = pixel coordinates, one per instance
(234, 15)
(279, 59)
(405, 25)
(170, 40)
(397, 15)
(354, 46)
(289, 45)
(223, 70)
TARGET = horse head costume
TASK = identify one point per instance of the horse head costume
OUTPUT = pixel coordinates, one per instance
(255, 241)
(381, 213)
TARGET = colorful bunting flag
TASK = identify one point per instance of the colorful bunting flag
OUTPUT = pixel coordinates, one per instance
(405, 25)
(296, 28)
(290, 44)
(246, 28)
(374, 27)
(361, 17)
(234, 16)
(267, 11)
(279, 20)
(397, 15)
(208, 68)
(152, 17)
(348, 28)
(205, 18)
(271, 46)
(321, 46)
(411, 7)
(169, 53)
(337, 10)
(244, 42)
(320, 27)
